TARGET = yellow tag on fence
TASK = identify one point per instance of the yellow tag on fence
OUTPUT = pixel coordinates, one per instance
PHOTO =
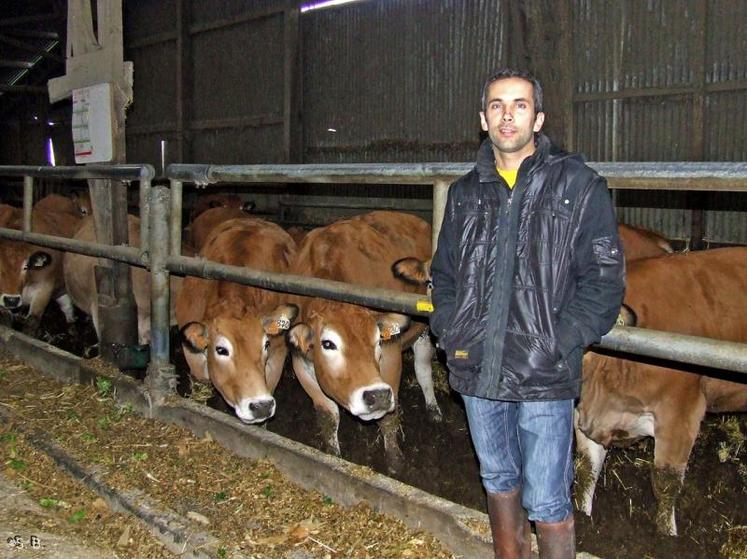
(426, 306)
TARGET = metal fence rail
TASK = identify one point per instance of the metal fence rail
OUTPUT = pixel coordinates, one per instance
(651, 343)
(157, 203)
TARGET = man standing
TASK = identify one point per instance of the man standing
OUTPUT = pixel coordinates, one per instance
(528, 272)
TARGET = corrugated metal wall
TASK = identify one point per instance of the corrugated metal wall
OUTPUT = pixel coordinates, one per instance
(398, 80)
(664, 80)
(231, 83)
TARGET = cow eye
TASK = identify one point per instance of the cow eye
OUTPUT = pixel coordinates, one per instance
(220, 350)
(267, 344)
(328, 344)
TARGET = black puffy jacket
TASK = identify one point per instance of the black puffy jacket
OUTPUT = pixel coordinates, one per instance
(525, 279)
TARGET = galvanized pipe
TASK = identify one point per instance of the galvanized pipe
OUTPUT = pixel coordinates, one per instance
(28, 202)
(114, 172)
(388, 299)
(719, 354)
(144, 197)
(176, 217)
(129, 255)
(440, 193)
(681, 175)
(159, 277)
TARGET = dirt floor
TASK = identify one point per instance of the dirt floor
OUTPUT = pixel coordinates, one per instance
(711, 513)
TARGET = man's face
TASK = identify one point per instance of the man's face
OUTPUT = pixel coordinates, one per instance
(509, 117)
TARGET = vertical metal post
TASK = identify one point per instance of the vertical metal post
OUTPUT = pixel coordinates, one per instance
(440, 193)
(176, 217)
(144, 195)
(28, 201)
(161, 380)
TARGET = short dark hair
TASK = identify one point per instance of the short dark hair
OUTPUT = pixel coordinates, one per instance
(504, 73)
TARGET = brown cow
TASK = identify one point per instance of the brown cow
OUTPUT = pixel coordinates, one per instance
(350, 356)
(80, 280)
(233, 334)
(206, 201)
(637, 243)
(78, 203)
(206, 221)
(622, 400)
(642, 243)
(33, 276)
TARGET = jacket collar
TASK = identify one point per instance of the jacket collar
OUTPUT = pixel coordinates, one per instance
(546, 152)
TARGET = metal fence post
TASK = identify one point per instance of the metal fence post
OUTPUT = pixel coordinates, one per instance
(161, 378)
(440, 193)
(28, 202)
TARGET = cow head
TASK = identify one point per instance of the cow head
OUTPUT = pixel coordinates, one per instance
(37, 271)
(344, 346)
(242, 356)
(13, 258)
(82, 201)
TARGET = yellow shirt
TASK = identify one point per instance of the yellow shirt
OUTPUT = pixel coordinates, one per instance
(508, 176)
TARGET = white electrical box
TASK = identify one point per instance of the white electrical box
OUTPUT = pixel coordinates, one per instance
(93, 124)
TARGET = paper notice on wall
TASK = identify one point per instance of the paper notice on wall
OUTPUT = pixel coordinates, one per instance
(93, 135)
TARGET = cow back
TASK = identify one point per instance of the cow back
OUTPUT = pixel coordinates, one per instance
(642, 243)
(245, 241)
(205, 222)
(361, 250)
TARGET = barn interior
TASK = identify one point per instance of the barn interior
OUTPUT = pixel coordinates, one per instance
(289, 82)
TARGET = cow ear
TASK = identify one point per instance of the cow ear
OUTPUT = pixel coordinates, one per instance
(412, 270)
(391, 325)
(301, 339)
(195, 337)
(280, 319)
(627, 317)
(39, 259)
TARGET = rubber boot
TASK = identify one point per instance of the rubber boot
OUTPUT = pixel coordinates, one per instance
(509, 525)
(556, 540)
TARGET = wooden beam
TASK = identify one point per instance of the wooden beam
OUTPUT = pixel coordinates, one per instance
(15, 64)
(36, 89)
(21, 20)
(36, 49)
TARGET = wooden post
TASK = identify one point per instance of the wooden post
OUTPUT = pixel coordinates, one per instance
(91, 60)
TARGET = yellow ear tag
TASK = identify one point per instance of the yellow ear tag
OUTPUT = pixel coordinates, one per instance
(461, 354)
(424, 306)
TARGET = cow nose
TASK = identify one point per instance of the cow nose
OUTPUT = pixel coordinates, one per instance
(262, 409)
(378, 399)
(11, 301)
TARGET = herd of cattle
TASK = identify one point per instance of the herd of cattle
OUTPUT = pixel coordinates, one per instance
(238, 337)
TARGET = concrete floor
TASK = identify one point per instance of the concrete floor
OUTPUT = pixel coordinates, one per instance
(40, 533)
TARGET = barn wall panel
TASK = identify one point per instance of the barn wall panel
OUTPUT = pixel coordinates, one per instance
(397, 80)
(238, 70)
(239, 146)
(154, 79)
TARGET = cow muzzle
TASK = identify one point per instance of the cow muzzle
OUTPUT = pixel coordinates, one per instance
(372, 402)
(10, 301)
(255, 410)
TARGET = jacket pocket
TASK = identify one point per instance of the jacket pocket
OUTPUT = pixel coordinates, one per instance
(534, 361)
(461, 353)
(609, 258)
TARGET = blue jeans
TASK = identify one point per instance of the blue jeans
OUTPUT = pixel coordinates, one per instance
(527, 445)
